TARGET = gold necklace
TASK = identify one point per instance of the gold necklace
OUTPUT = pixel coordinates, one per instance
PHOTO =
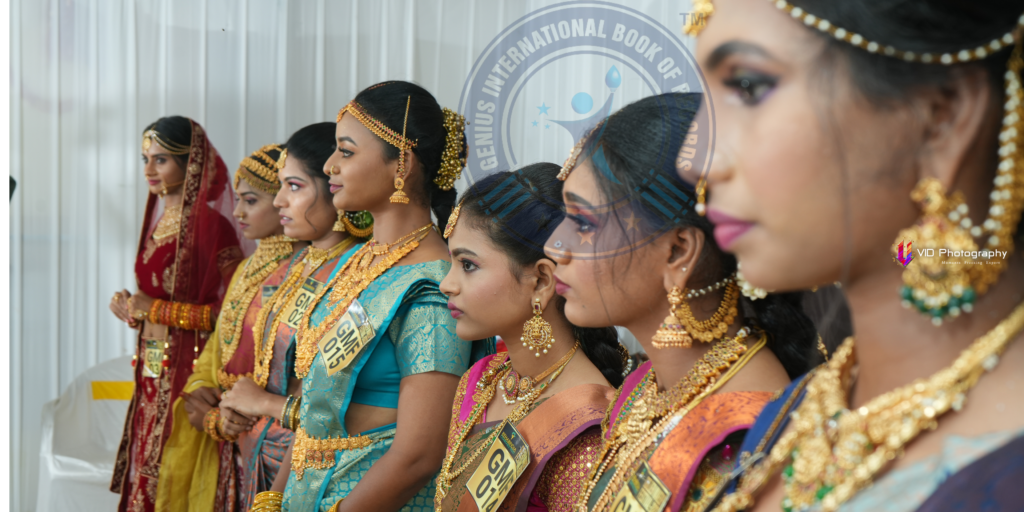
(314, 258)
(836, 452)
(633, 431)
(169, 223)
(263, 262)
(516, 389)
(482, 397)
(716, 326)
(346, 285)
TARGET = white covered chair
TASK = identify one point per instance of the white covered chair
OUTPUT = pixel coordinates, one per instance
(81, 432)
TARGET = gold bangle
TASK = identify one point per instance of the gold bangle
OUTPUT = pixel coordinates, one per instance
(267, 501)
(336, 505)
(293, 416)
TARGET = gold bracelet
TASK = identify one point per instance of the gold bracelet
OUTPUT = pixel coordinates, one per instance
(293, 416)
(284, 412)
(267, 501)
(335, 507)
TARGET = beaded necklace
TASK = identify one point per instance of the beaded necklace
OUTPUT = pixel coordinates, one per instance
(314, 258)
(633, 430)
(483, 395)
(347, 284)
(263, 262)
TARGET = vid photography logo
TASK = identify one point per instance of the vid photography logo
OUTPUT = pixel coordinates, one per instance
(549, 77)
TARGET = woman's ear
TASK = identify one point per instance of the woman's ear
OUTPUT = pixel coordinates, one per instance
(685, 246)
(544, 281)
(953, 118)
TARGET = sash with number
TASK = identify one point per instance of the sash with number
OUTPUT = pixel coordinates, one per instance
(547, 429)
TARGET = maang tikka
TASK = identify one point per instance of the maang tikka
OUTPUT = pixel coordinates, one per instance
(537, 334)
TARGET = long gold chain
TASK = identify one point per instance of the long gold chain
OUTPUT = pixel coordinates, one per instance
(633, 431)
(347, 284)
(482, 397)
(263, 262)
(314, 258)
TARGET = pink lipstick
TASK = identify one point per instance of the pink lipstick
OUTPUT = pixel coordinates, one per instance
(727, 228)
(456, 312)
(561, 287)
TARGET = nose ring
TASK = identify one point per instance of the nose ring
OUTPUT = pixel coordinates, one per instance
(331, 171)
(558, 244)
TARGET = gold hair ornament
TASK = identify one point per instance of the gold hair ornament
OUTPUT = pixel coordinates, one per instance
(282, 159)
(149, 136)
(358, 224)
(453, 218)
(570, 163)
(455, 148)
(388, 135)
(259, 170)
(966, 55)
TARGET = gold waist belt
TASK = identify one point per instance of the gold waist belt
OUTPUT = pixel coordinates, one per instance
(310, 452)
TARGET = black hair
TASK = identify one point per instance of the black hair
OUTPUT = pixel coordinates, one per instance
(386, 102)
(519, 210)
(925, 26)
(175, 130)
(313, 145)
(633, 153)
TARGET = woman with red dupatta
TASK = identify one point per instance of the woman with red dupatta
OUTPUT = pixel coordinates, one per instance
(187, 254)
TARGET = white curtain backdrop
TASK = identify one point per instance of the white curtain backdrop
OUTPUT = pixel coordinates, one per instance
(88, 76)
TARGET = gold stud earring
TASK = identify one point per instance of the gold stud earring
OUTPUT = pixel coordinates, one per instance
(537, 332)
(672, 334)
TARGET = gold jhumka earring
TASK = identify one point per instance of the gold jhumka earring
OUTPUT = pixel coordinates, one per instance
(672, 334)
(537, 334)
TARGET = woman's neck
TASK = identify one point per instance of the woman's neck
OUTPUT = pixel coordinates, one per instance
(394, 221)
(896, 345)
(329, 240)
(672, 364)
(525, 360)
(172, 199)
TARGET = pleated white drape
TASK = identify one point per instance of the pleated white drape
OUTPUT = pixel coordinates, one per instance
(87, 76)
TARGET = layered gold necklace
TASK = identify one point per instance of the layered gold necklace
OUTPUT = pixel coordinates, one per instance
(314, 258)
(633, 428)
(263, 262)
(347, 284)
(169, 223)
(482, 397)
(835, 452)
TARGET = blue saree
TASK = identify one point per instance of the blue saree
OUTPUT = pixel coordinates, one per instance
(410, 319)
